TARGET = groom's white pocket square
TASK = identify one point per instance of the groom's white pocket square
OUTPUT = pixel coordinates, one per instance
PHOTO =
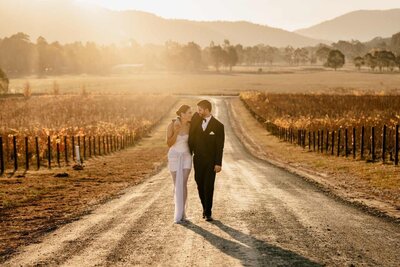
(212, 133)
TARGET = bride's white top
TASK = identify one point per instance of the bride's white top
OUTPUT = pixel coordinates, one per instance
(181, 145)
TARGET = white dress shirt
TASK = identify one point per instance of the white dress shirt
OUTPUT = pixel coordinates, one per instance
(205, 122)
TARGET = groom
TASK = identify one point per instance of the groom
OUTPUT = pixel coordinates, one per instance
(206, 142)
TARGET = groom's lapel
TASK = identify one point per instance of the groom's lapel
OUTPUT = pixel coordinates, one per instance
(209, 126)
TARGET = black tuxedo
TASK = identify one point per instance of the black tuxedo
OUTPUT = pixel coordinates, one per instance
(207, 147)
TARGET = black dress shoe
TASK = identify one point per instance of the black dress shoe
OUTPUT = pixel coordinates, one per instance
(209, 219)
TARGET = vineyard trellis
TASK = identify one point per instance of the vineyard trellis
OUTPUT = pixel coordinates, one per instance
(59, 150)
(382, 143)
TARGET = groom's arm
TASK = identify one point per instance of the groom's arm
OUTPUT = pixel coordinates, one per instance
(219, 142)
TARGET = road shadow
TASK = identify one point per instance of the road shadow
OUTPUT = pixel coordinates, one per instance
(250, 250)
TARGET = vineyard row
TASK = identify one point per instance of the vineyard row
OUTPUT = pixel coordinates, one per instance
(57, 150)
(372, 143)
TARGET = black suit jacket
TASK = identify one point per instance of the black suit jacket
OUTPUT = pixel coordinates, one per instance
(208, 145)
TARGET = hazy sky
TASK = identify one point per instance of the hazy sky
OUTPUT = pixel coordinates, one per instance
(286, 14)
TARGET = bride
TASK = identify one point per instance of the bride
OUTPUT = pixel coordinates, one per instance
(180, 159)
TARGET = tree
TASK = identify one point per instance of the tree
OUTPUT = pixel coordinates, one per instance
(335, 59)
(4, 82)
(385, 59)
(288, 54)
(322, 53)
(191, 54)
(300, 55)
(231, 56)
(358, 62)
(217, 55)
(395, 43)
(16, 54)
(398, 61)
(370, 61)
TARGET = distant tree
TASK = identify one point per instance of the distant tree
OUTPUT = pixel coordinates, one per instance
(358, 62)
(4, 82)
(240, 53)
(232, 57)
(191, 55)
(370, 61)
(300, 55)
(385, 59)
(270, 54)
(217, 55)
(322, 53)
(288, 55)
(395, 43)
(335, 60)
(398, 61)
(17, 54)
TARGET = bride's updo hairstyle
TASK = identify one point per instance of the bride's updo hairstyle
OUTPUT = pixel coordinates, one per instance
(182, 109)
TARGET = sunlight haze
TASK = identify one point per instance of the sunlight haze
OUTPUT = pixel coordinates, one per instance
(286, 14)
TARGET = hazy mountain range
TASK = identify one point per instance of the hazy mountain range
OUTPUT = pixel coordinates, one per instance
(65, 21)
(362, 25)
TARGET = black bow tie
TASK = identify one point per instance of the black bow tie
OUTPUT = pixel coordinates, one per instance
(204, 120)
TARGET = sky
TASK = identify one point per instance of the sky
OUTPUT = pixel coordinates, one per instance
(285, 14)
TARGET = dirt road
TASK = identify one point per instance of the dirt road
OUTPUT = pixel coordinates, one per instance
(264, 216)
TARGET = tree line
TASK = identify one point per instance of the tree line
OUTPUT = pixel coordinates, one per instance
(19, 56)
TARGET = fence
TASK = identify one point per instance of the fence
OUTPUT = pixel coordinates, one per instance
(26, 151)
(365, 143)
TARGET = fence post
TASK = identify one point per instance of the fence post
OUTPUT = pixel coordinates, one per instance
(58, 151)
(338, 143)
(384, 143)
(396, 150)
(322, 141)
(84, 147)
(66, 150)
(37, 152)
(373, 143)
(94, 146)
(309, 140)
(104, 146)
(346, 140)
(333, 143)
(327, 142)
(1, 156)
(49, 151)
(362, 142)
(15, 153)
(354, 143)
(99, 144)
(313, 140)
(108, 144)
(26, 153)
(73, 148)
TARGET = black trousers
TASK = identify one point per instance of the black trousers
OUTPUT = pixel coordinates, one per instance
(204, 175)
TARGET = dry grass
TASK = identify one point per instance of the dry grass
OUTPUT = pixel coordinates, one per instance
(281, 80)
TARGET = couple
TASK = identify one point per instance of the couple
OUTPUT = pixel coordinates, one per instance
(200, 135)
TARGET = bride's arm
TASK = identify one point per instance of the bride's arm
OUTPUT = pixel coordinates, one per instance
(172, 133)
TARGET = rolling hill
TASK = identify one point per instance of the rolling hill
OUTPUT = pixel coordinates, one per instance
(66, 21)
(362, 25)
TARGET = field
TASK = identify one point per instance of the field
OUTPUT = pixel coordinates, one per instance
(278, 80)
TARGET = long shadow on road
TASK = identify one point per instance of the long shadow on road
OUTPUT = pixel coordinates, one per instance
(250, 250)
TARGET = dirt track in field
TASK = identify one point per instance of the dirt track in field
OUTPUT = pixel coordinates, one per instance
(263, 216)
